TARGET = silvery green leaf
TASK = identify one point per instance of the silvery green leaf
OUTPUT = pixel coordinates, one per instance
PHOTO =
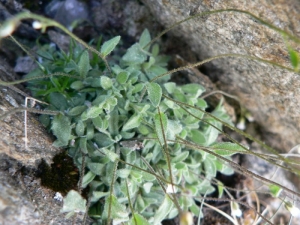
(84, 64)
(82, 145)
(77, 110)
(123, 173)
(109, 46)
(163, 210)
(145, 39)
(161, 126)
(106, 82)
(98, 194)
(133, 122)
(61, 128)
(77, 85)
(138, 87)
(155, 50)
(90, 131)
(93, 112)
(147, 186)
(102, 140)
(80, 128)
(210, 167)
(180, 157)
(195, 89)
(135, 55)
(154, 93)
(58, 100)
(118, 211)
(198, 137)
(110, 154)
(227, 148)
(96, 168)
(122, 77)
(74, 202)
(138, 219)
(87, 178)
(174, 128)
(97, 121)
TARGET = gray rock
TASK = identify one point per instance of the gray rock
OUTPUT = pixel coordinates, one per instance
(271, 94)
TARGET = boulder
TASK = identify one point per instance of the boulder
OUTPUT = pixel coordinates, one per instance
(270, 93)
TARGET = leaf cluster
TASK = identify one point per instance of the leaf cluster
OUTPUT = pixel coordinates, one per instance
(131, 137)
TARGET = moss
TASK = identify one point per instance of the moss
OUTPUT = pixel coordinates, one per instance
(61, 176)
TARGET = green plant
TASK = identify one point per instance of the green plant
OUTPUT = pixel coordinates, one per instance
(128, 133)
(142, 143)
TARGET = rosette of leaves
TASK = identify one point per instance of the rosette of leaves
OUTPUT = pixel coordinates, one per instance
(141, 140)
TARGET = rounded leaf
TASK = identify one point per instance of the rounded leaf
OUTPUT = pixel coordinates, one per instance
(154, 93)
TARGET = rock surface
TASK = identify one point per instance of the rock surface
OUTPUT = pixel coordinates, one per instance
(271, 94)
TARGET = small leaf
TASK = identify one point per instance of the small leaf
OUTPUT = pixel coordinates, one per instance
(227, 148)
(134, 55)
(122, 77)
(109, 46)
(118, 211)
(163, 210)
(74, 202)
(93, 112)
(61, 128)
(137, 219)
(133, 122)
(80, 128)
(96, 168)
(77, 85)
(295, 59)
(145, 39)
(111, 155)
(77, 110)
(82, 145)
(88, 178)
(161, 126)
(154, 93)
(275, 190)
(180, 157)
(106, 82)
(84, 64)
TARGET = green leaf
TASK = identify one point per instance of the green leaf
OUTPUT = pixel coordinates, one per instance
(163, 210)
(74, 202)
(82, 145)
(181, 157)
(227, 148)
(77, 85)
(295, 59)
(80, 128)
(77, 110)
(61, 128)
(133, 122)
(137, 219)
(106, 82)
(109, 46)
(110, 154)
(195, 89)
(98, 194)
(102, 140)
(145, 39)
(122, 77)
(134, 55)
(275, 190)
(220, 188)
(154, 93)
(94, 112)
(88, 178)
(84, 64)
(161, 126)
(58, 101)
(96, 168)
(118, 211)
(198, 137)
(210, 167)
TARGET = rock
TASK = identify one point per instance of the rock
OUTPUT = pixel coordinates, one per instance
(271, 94)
